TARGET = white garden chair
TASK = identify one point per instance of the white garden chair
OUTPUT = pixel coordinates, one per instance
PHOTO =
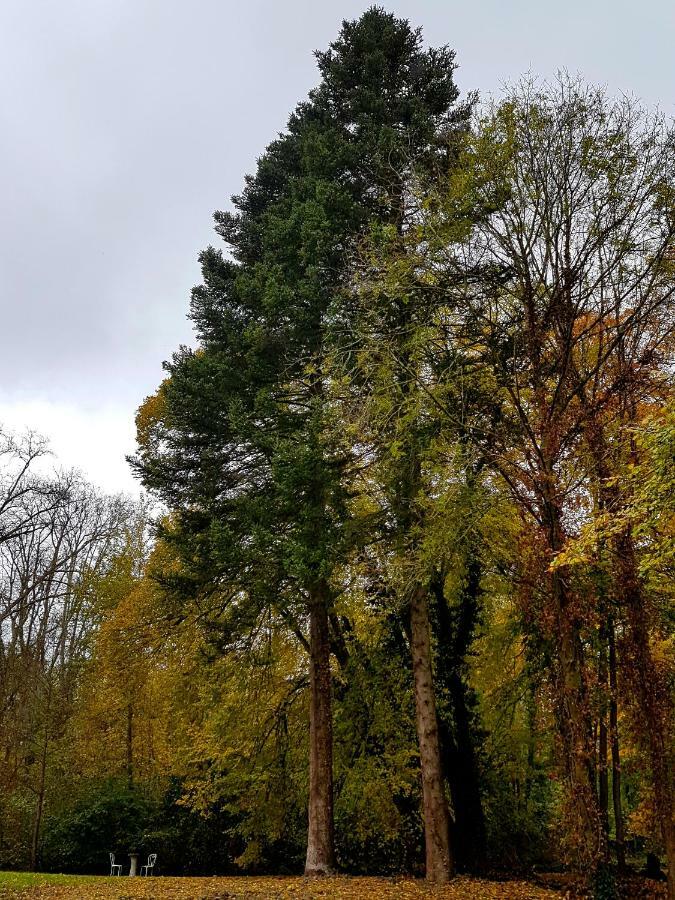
(148, 869)
(115, 868)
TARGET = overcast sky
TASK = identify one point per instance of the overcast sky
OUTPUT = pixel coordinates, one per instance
(125, 123)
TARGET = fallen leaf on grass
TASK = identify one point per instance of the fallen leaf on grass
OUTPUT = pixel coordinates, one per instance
(276, 888)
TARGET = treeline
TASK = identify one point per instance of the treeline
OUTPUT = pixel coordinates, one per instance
(58, 539)
(410, 605)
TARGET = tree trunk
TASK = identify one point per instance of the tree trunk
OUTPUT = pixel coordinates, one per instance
(571, 707)
(130, 746)
(439, 861)
(574, 730)
(469, 826)
(39, 806)
(619, 838)
(653, 698)
(652, 695)
(320, 837)
(531, 708)
(603, 773)
(457, 732)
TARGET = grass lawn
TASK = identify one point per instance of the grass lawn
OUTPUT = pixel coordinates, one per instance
(88, 887)
(25, 884)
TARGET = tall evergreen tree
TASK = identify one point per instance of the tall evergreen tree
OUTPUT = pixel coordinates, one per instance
(238, 439)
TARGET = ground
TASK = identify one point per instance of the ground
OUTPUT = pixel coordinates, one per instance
(74, 887)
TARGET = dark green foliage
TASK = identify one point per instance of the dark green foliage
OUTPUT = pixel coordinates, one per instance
(460, 731)
(518, 818)
(242, 443)
(242, 430)
(378, 821)
(604, 883)
(111, 818)
(411, 500)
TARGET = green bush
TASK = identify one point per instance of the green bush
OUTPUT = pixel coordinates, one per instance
(111, 817)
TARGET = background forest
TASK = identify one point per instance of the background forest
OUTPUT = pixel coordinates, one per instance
(401, 599)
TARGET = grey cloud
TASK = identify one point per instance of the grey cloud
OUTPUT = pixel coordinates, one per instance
(124, 123)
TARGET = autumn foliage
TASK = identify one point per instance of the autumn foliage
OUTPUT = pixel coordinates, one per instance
(405, 606)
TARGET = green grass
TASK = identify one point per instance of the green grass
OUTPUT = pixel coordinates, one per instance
(41, 886)
(36, 879)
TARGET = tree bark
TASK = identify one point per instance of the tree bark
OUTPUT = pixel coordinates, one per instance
(320, 858)
(574, 731)
(439, 861)
(603, 773)
(654, 701)
(468, 830)
(619, 838)
(571, 707)
(653, 696)
(39, 806)
(457, 736)
(130, 746)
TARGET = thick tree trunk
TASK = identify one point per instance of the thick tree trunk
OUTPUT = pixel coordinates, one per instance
(653, 698)
(573, 724)
(439, 861)
(652, 694)
(458, 738)
(619, 838)
(320, 837)
(468, 830)
(571, 708)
